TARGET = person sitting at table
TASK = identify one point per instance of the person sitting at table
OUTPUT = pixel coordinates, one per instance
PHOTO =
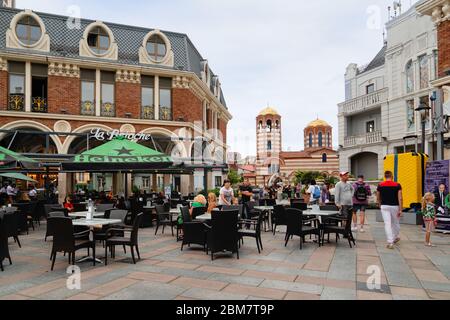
(212, 202)
(199, 202)
(121, 205)
(68, 204)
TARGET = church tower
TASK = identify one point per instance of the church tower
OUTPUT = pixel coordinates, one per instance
(268, 134)
(8, 3)
(318, 135)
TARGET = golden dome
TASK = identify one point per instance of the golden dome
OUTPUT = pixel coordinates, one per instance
(269, 112)
(318, 123)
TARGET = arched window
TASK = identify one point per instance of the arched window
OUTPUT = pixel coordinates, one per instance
(156, 48)
(98, 40)
(324, 158)
(269, 145)
(28, 30)
(260, 126)
(277, 124)
(409, 77)
(320, 139)
(269, 125)
(328, 140)
(310, 140)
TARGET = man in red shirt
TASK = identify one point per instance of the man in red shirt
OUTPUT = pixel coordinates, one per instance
(390, 200)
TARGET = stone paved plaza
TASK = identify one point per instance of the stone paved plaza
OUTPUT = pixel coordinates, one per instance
(411, 271)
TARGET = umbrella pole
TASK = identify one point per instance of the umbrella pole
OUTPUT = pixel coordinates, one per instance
(126, 185)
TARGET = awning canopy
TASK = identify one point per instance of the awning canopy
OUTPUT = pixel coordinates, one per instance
(10, 159)
(118, 155)
(17, 176)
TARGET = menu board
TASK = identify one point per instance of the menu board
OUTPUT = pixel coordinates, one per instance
(437, 172)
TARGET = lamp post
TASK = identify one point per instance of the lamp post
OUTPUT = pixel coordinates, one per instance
(424, 111)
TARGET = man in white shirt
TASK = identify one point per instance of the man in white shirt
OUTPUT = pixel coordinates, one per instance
(11, 192)
(32, 193)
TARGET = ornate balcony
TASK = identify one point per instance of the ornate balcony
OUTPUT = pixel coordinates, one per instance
(108, 109)
(16, 102)
(165, 113)
(148, 112)
(364, 103)
(88, 108)
(39, 105)
(364, 139)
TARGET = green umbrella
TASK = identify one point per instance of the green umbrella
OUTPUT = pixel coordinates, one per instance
(17, 176)
(10, 159)
(116, 155)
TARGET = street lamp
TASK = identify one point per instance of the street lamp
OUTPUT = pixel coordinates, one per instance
(424, 111)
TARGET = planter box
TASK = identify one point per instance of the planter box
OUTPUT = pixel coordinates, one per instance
(409, 218)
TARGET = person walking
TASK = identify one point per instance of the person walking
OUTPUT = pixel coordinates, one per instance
(390, 200)
(344, 195)
(314, 192)
(12, 193)
(360, 202)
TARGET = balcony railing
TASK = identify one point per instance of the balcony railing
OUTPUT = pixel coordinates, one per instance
(363, 103)
(16, 102)
(88, 108)
(165, 113)
(39, 105)
(148, 112)
(108, 109)
(369, 138)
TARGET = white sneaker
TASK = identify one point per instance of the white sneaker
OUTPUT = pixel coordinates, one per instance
(390, 246)
(354, 228)
(362, 230)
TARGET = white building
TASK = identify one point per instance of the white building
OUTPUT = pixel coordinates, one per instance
(381, 97)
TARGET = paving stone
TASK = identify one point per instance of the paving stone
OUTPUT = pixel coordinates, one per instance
(198, 283)
(436, 286)
(250, 281)
(291, 286)
(147, 291)
(256, 291)
(203, 294)
(338, 294)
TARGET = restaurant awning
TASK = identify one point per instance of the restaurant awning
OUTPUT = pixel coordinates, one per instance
(17, 176)
(118, 155)
(10, 160)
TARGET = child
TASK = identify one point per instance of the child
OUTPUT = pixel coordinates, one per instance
(429, 216)
(212, 202)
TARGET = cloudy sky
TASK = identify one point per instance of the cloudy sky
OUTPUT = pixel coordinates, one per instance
(290, 54)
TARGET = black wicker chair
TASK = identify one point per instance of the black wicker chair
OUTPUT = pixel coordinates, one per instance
(223, 234)
(4, 249)
(11, 226)
(279, 217)
(253, 230)
(296, 227)
(163, 218)
(339, 225)
(193, 231)
(65, 240)
(132, 241)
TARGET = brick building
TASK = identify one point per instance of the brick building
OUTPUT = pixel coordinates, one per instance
(65, 78)
(272, 163)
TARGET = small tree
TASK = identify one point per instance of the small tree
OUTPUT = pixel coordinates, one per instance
(234, 177)
(306, 177)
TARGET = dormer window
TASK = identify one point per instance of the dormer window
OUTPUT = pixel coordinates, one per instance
(156, 48)
(28, 30)
(98, 40)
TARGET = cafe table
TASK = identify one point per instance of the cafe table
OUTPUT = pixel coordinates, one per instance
(204, 217)
(92, 225)
(269, 210)
(84, 214)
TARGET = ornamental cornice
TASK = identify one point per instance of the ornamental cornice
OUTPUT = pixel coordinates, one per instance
(127, 76)
(63, 70)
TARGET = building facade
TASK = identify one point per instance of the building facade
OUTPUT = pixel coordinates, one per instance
(69, 78)
(439, 11)
(274, 164)
(381, 97)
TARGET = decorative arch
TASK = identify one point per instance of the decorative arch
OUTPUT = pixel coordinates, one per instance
(85, 51)
(12, 41)
(83, 129)
(169, 134)
(35, 125)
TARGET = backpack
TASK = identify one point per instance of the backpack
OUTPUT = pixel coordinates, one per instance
(316, 193)
(361, 193)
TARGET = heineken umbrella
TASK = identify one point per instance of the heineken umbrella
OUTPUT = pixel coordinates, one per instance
(118, 155)
(17, 176)
(10, 159)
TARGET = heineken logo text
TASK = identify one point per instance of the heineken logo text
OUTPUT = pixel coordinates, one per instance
(121, 159)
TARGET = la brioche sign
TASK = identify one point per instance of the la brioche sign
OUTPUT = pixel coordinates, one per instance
(101, 135)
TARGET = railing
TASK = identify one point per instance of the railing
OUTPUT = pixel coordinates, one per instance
(369, 138)
(148, 112)
(88, 108)
(16, 102)
(39, 105)
(108, 109)
(165, 113)
(364, 102)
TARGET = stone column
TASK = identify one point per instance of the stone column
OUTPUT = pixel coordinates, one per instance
(28, 82)
(62, 186)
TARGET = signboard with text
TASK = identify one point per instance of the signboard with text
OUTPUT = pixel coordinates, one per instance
(438, 172)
